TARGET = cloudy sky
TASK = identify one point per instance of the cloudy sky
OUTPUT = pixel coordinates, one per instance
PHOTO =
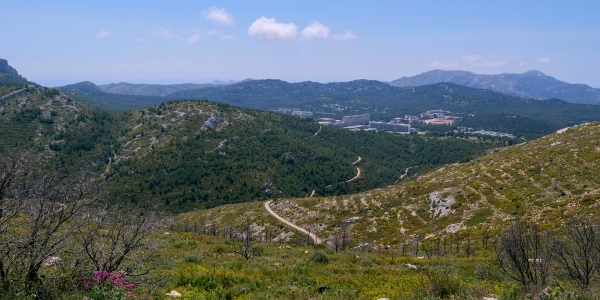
(62, 42)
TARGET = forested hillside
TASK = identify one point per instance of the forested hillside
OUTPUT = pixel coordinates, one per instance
(548, 182)
(191, 154)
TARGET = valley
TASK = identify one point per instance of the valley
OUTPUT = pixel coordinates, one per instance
(224, 198)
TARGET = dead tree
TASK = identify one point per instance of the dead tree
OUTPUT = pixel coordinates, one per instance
(523, 254)
(468, 249)
(457, 240)
(51, 207)
(485, 239)
(579, 254)
(415, 244)
(344, 235)
(337, 242)
(403, 243)
(244, 248)
(113, 241)
(13, 169)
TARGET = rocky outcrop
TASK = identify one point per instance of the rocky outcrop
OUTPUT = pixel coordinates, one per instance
(6, 68)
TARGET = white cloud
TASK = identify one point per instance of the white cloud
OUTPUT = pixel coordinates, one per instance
(194, 38)
(166, 34)
(476, 61)
(268, 29)
(473, 61)
(522, 64)
(472, 58)
(226, 37)
(103, 34)
(444, 64)
(218, 15)
(348, 35)
(543, 60)
(140, 39)
(315, 30)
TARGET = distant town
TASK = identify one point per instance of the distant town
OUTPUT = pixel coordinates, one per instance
(404, 125)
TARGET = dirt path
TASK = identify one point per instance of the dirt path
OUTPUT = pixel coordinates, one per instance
(357, 161)
(278, 217)
(318, 131)
(17, 91)
(405, 173)
(312, 194)
(355, 177)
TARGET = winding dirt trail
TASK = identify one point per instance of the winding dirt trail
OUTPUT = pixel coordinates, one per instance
(320, 127)
(355, 177)
(278, 217)
(358, 172)
(405, 173)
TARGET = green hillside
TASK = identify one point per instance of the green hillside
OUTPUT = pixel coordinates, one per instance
(195, 154)
(546, 181)
(91, 95)
(8, 79)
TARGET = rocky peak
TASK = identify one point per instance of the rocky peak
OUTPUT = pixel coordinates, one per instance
(6, 68)
(534, 73)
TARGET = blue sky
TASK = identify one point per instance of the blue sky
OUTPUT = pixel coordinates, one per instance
(62, 42)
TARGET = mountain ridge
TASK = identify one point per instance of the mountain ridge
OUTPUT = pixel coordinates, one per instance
(531, 84)
(126, 88)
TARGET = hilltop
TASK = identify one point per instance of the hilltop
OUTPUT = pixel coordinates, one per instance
(531, 84)
(9, 75)
(148, 89)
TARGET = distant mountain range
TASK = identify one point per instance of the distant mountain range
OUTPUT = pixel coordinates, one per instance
(161, 90)
(382, 101)
(125, 88)
(531, 84)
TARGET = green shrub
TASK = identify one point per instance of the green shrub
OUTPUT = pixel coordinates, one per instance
(441, 282)
(319, 257)
(189, 244)
(192, 258)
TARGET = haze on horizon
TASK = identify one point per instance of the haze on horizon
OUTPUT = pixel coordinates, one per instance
(61, 42)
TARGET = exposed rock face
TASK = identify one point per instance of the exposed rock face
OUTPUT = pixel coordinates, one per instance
(6, 68)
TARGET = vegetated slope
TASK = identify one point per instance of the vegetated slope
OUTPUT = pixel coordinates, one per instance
(8, 79)
(148, 89)
(192, 154)
(531, 84)
(527, 127)
(90, 94)
(546, 181)
(70, 135)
